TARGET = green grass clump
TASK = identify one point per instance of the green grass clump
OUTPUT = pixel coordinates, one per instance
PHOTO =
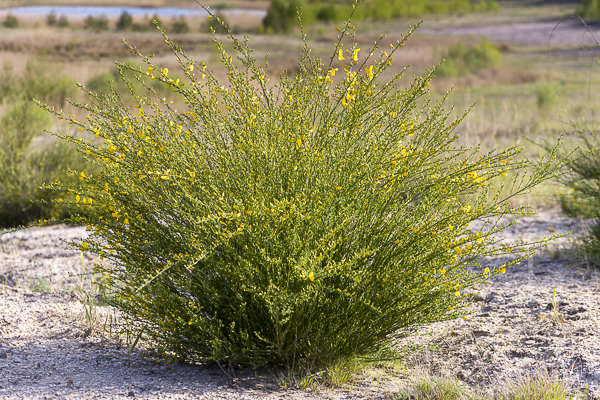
(300, 223)
(461, 60)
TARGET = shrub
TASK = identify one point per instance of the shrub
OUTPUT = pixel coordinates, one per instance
(590, 9)
(300, 224)
(51, 19)
(125, 21)
(461, 60)
(63, 21)
(327, 13)
(10, 21)
(97, 24)
(180, 25)
(281, 17)
(26, 159)
(546, 96)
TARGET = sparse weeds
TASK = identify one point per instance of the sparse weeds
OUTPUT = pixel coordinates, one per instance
(427, 387)
(556, 317)
(541, 386)
(39, 285)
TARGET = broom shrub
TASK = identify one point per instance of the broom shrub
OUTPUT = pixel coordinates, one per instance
(298, 223)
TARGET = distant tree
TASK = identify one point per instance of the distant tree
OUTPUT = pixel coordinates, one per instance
(63, 21)
(51, 19)
(125, 21)
(180, 25)
(10, 21)
(281, 16)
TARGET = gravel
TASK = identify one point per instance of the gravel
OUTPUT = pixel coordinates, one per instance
(542, 314)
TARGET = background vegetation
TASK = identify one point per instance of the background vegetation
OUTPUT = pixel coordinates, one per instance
(27, 159)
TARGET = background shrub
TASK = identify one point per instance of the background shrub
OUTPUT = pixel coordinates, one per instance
(590, 9)
(462, 60)
(125, 21)
(97, 24)
(180, 25)
(51, 19)
(301, 224)
(10, 21)
(63, 21)
(281, 16)
(28, 159)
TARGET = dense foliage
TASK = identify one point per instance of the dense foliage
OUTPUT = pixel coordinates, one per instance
(300, 223)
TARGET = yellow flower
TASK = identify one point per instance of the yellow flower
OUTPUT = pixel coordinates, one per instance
(369, 72)
(150, 69)
(355, 54)
(340, 56)
(311, 276)
(165, 71)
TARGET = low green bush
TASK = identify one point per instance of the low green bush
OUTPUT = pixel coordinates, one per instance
(97, 24)
(63, 21)
(461, 60)
(300, 223)
(11, 21)
(51, 19)
(125, 21)
(590, 9)
(180, 25)
(281, 16)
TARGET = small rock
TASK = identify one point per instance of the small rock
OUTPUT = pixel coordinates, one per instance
(3, 354)
(478, 297)
(130, 393)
